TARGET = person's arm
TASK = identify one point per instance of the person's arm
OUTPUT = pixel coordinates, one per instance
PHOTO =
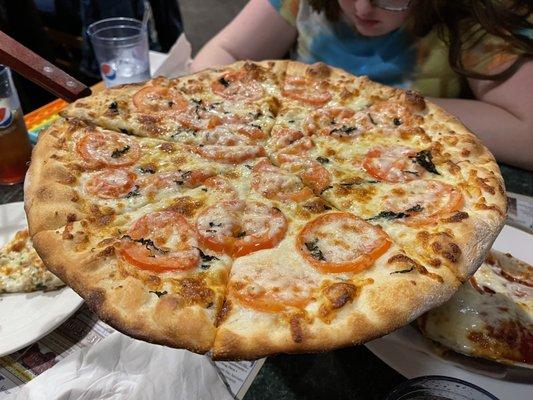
(502, 115)
(258, 32)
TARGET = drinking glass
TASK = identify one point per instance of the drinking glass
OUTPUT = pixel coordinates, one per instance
(15, 147)
(121, 48)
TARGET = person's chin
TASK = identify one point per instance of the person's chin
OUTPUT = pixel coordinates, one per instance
(368, 28)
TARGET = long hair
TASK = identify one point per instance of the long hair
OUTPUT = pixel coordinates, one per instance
(462, 24)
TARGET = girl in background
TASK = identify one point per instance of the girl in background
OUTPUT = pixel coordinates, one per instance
(444, 49)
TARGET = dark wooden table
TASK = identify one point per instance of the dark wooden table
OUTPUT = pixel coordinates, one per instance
(353, 373)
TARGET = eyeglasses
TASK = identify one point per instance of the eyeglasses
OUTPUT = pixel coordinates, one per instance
(392, 5)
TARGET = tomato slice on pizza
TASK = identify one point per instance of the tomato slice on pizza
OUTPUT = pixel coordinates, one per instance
(310, 91)
(227, 144)
(275, 183)
(161, 241)
(227, 135)
(270, 289)
(341, 242)
(229, 154)
(394, 164)
(421, 202)
(237, 85)
(159, 99)
(289, 141)
(338, 122)
(312, 173)
(238, 227)
(221, 185)
(399, 111)
(107, 149)
(111, 183)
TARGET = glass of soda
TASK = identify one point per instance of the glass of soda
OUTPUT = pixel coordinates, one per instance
(434, 387)
(121, 48)
(15, 147)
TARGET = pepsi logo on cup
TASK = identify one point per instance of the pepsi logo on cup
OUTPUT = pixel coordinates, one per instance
(6, 117)
(108, 71)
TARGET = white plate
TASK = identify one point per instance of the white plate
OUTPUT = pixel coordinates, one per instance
(27, 317)
(409, 353)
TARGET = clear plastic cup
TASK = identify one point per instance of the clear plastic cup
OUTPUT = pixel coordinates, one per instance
(121, 49)
(438, 388)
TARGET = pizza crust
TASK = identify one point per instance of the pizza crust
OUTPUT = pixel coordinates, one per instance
(49, 201)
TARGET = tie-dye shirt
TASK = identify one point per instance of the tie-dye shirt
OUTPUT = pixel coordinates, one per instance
(397, 58)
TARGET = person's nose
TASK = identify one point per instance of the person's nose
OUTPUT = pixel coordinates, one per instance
(363, 8)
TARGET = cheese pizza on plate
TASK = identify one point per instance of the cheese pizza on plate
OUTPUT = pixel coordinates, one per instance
(262, 207)
(491, 315)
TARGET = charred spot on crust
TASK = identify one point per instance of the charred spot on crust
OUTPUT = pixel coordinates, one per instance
(482, 182)
(318, 70)
(295, 324)
(457, 217)
(447, 249)
(340, 293)
(415, 99)
(223, 313)
(195, 291)
(253, 70)
(95, 300)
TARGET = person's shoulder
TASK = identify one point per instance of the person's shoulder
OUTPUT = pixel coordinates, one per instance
(288, 9)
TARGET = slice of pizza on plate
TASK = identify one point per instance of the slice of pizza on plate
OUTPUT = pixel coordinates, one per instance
(491, 315)
(21, 268)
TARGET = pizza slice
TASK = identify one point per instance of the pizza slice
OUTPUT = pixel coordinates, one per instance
(333, 280)
(242, 97)
(491, 315)
(147, 273)
(21, 268)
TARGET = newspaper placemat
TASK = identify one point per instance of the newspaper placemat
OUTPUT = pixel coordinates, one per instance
(520, 211)
(85, 329)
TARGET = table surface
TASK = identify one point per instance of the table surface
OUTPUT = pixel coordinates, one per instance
(351, 373)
